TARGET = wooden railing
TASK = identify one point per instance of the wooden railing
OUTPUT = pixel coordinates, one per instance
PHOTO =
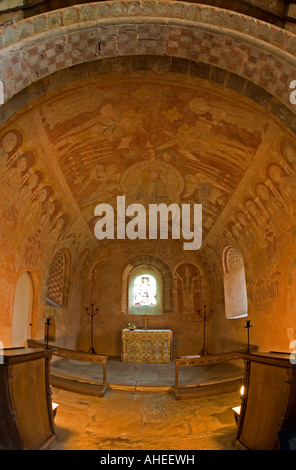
(72, 354)
(185, 361)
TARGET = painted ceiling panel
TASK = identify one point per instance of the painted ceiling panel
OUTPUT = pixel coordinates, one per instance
(153, 138)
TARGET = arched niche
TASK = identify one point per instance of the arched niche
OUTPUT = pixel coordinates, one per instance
(189, 288)
(142, 279)
(158, 269)
(22, 310)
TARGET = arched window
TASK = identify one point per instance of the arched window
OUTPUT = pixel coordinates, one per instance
(235, 290)
(145, 291)
(58, 281)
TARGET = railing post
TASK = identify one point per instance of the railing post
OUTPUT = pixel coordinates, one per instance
(105, 372)
(176, 373)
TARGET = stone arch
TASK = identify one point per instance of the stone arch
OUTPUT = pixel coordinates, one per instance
(199, 40)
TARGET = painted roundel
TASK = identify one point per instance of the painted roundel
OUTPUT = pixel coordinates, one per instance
(152, 182)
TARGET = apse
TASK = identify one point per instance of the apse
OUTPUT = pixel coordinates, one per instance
(198, 148)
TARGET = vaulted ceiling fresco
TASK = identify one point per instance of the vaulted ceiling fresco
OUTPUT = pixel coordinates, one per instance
(153, 137)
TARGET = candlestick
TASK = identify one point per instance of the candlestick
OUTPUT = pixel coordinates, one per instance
(248, 326)
(204, 315)
(47, 325)
(91, 314)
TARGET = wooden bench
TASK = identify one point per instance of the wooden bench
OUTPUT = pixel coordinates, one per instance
(195, 390)
(75, 384)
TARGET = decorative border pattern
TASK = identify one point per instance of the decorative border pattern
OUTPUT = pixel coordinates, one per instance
(253, 50)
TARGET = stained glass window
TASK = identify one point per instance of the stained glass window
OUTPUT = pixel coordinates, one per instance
(144, 293)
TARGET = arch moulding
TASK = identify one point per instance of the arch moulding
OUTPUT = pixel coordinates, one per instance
(245, 54)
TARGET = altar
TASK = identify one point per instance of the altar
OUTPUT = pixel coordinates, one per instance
(146, 346)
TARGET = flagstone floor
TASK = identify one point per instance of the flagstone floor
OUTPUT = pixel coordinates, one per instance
(124, 420)
(131, 374)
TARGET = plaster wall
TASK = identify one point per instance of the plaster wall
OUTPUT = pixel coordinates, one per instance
(104, 283)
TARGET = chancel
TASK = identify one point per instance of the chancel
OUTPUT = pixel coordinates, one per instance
(132, 341)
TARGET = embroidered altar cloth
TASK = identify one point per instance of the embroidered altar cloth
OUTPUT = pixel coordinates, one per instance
(146, 346)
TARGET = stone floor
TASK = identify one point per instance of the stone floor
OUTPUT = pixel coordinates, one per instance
(131, 374)
(132, 420)
(122, 420)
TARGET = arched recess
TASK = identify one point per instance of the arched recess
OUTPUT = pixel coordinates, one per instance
(153, 266)
(234, 279)
(152, 279)
(189, 288)
(22, 310)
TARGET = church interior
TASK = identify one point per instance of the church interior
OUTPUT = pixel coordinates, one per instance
(164, 102)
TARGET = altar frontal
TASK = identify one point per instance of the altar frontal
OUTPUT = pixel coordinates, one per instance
(147, 346)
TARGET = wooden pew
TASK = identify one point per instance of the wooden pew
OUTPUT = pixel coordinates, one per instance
(195, 390)
(267, 418)
(26, 410)
(75, 384)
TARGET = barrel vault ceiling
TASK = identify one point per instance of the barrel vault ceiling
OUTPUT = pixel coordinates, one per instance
(154, 137)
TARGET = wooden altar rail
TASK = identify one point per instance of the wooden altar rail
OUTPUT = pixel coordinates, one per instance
(77, 355)
(185, 361)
